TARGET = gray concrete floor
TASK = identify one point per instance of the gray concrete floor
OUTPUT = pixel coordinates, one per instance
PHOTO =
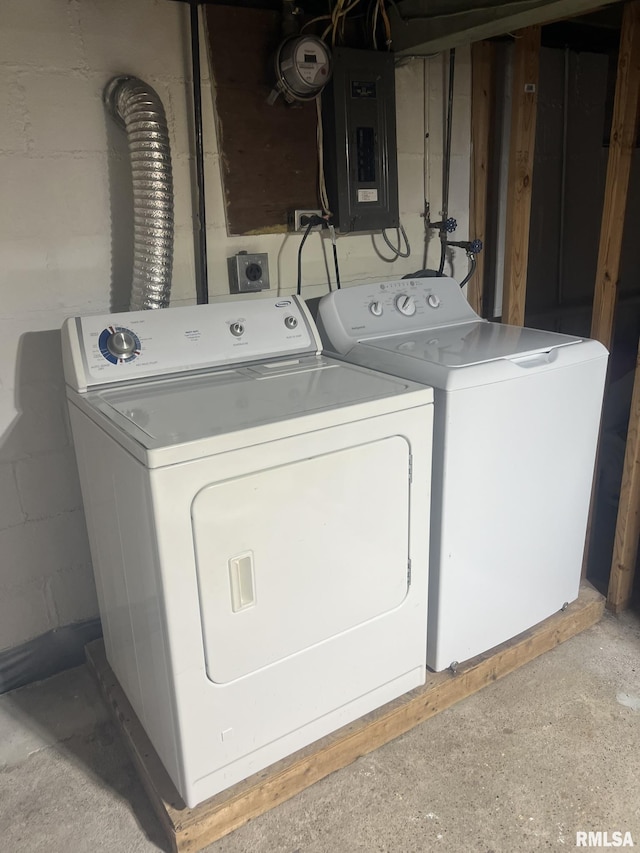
(550, 750)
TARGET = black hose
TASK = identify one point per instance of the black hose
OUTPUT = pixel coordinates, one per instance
(472, 269)
(402, 235)
(202, 283)
(443, 252)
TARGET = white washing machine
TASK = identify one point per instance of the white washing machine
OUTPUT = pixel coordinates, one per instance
(256, 518)
(517, 414)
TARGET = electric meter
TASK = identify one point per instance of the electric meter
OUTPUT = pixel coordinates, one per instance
(303, 68)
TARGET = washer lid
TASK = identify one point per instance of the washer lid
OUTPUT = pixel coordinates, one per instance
(466, 344)
(178, 411)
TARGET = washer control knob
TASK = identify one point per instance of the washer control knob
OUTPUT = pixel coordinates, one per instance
(121, 344)
(236, 329)
(376, 308)
(290, 322)
(433, 301)
(406, 305)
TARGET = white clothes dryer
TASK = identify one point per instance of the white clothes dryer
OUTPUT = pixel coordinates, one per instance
(256, 519)
(517, 415)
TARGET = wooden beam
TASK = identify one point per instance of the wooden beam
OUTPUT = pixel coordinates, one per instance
(625, 549)
(481, 79)
(605, 297)
(190, 830)
(621, 145)
(425, 27)
(526, 63)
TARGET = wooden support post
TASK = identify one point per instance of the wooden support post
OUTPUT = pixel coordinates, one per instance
(481, 72)
(526, 64)
(621, 144)
(625, 549)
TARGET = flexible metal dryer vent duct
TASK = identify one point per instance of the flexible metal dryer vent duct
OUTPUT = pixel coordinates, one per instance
(138, 108)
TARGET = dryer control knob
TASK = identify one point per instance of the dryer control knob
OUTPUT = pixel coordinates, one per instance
(376, 309)
(290, 322)
(433, 301)
(406, 305)
(121, 344)
(236, 329)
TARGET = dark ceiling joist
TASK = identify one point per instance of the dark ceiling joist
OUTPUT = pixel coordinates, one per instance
(425, 27)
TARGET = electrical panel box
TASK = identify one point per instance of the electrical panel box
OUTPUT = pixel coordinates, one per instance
(248, 272)
(359, 131)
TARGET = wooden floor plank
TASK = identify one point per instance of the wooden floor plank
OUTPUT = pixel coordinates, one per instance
(189, 830)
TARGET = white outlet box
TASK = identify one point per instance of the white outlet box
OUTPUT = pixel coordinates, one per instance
(297, 216)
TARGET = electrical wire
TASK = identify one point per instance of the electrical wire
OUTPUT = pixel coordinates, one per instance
(322, 186)
(377, 8)
(347, 11)
(387, 24)
(402, 235)
(374, 25)
(335, 263)
(300, 247)
(337, 18)
(312, 223)
(332, 232)
(314, 21)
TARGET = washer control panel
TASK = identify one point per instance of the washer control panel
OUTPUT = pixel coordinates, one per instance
(366, 311)
(112, 348)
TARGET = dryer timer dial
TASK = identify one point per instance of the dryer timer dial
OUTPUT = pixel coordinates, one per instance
(121, 343)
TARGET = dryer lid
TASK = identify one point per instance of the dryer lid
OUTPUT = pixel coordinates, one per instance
(181, 410)
(466, 344)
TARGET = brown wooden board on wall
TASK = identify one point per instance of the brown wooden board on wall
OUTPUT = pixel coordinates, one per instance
(268, 153)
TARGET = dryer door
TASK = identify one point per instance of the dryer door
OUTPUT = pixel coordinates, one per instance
(290, 556)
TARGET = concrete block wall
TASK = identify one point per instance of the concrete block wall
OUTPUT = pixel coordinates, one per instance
(65, 244)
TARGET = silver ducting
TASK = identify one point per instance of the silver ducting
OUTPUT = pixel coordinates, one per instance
(137, 106)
